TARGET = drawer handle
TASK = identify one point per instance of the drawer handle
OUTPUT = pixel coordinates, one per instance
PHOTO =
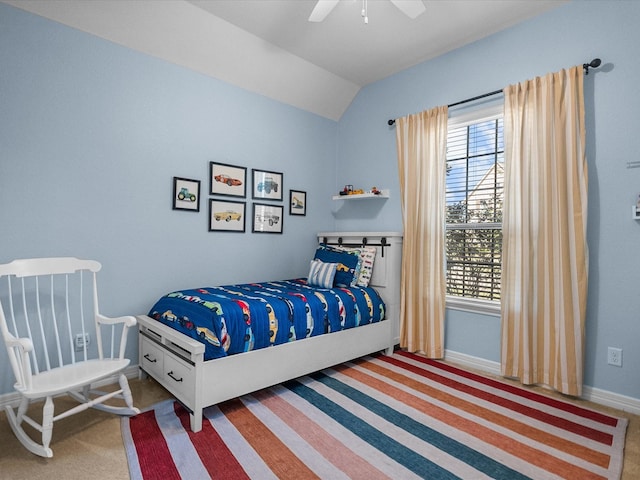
(176, 379)
(152, 360)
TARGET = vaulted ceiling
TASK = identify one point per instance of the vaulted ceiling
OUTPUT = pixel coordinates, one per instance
(269, 46)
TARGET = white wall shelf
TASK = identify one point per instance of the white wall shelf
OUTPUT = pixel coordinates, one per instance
(384, 193)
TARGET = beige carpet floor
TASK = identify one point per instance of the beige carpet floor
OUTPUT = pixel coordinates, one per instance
(89, 445)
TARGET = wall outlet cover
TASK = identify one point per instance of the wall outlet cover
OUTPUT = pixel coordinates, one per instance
(614, 356)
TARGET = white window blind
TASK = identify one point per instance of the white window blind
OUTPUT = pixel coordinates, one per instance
(474, 195)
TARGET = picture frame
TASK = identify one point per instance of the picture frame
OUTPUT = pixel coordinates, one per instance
(267, 185)
(186, 194)
(297, 202)
(267, 218)
(227, 216)
(229, 180)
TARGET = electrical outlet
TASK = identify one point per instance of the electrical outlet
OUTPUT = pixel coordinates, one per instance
(614, 356)
(81, 341)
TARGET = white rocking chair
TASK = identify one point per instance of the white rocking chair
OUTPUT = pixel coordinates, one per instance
(50, 347)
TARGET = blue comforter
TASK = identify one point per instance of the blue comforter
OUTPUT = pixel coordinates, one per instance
(238, 318)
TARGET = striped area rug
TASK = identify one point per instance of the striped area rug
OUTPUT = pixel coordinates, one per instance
(396, 417)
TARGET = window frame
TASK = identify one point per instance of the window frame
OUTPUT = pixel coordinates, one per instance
(479, 115)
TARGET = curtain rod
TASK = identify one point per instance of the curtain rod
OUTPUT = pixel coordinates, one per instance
(595, 63)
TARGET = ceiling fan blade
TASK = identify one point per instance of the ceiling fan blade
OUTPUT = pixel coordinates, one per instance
(322, 9)
(411, 8)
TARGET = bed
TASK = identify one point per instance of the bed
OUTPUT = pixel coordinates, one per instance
(210, 344)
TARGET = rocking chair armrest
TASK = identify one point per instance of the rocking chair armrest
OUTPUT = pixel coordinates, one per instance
(24, 344)
(128, 320)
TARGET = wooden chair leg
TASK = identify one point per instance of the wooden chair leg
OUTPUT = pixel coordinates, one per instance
(126, 394)
(22, 409)
(47, 422)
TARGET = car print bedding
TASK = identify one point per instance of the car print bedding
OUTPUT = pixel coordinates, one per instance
(232, 319)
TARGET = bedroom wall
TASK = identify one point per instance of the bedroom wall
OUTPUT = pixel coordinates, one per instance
(571, 34)
(91, 135)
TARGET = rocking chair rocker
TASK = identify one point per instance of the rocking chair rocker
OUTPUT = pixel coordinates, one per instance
(42, 306)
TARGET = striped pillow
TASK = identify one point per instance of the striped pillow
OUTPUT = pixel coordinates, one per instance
(321, 274)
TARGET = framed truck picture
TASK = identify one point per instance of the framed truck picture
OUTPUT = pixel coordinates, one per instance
(267, 218)
(267, 185)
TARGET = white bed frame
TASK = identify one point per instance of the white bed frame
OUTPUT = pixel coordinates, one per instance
(177, 361)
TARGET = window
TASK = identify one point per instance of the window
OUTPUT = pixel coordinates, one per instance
(475, 185)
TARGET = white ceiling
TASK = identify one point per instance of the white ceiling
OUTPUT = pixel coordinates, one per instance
(269, 47)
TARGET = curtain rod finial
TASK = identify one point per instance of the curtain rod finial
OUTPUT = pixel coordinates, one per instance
(595, 63)
(391, 122)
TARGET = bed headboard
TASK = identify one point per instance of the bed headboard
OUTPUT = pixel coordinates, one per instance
(386, 268)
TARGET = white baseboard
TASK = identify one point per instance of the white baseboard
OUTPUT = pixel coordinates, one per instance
(13, 399)
(476, 363)
(611, 399)
(591, 394)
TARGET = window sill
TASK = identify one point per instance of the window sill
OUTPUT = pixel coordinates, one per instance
(474, 305)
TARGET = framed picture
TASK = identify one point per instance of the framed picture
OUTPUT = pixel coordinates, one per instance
(267, 218)
(186, 194)
(267, 185)
(227, 180)
(297, 202)
(226, 216)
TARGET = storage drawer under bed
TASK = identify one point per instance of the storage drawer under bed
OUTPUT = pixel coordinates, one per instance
(171, 371)
(151, 358)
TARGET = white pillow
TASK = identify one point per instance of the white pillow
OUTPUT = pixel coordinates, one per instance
(367, 256)
(321, 274)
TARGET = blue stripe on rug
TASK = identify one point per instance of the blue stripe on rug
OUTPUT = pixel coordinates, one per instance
(404, 455)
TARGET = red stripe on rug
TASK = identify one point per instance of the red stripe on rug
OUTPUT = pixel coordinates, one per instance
(214, 453)
(528, 394)
(525, 452)
(284, 464)
(330, 447)
(154, 456)
(573, 427)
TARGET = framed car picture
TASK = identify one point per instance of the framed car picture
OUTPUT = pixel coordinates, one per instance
(227, 179)
(226, 216)
(267, 218)
(297, 202)
(267, 185)
(186, 194)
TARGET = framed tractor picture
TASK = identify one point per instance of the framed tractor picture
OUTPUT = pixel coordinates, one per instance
(186, 194)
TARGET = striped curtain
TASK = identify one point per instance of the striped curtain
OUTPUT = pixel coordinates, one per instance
(422, 144)
(545, 257)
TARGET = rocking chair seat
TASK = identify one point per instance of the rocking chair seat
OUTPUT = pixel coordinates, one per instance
(73, 376)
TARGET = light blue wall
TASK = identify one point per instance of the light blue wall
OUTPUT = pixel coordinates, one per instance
(91, 135)
(570, 35)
